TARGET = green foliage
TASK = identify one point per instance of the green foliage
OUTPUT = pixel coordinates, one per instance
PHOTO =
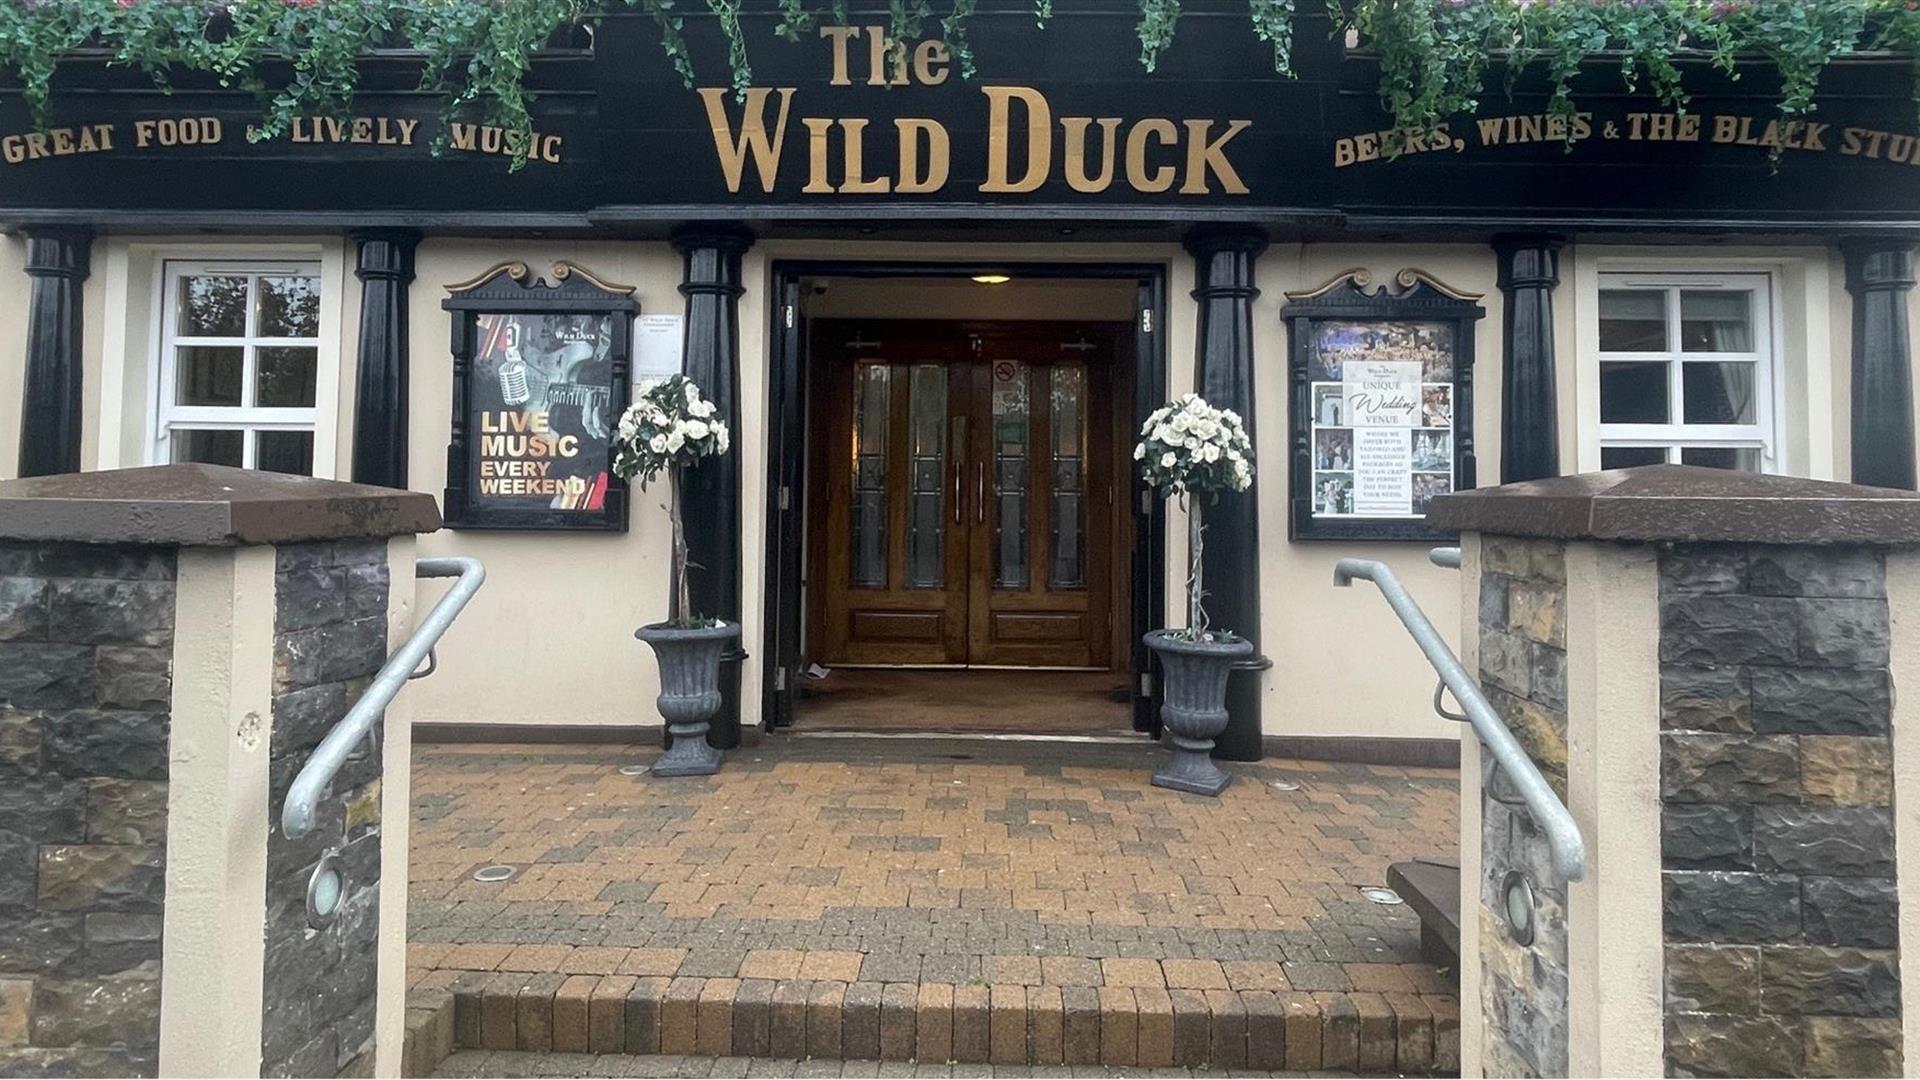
(300, 57)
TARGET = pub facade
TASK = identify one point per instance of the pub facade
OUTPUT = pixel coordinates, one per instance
(934, 309)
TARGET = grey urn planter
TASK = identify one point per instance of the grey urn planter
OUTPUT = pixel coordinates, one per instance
(1194, 711)
(689, 692)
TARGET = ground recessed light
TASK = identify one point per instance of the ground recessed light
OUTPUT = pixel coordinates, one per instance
(493, 873)
(991, 279)
(1283, 785)
(633, 770)
(1382, 896)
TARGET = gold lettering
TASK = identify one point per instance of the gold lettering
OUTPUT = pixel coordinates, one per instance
(939, 153)
(1039, 143)
(930, 59)
(817, 129)
(839, 35)
(853, 139)
(1204, 155)
(463, 137)
(1075, 129)
(752, 140)
(362, 129)
(1160, 179)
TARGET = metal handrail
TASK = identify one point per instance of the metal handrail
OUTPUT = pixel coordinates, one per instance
(298, 816)
(1562, 832)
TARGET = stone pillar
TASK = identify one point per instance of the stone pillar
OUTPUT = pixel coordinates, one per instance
(1880, 277)
(58, 261)
(712, 489)
(1704, 665)
(1529, 271)
(173, 644)
(1230, 560)
(385, 270)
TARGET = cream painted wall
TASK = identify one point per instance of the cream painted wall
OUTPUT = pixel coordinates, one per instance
(1343, 664)
(549, 639)
(13, 346)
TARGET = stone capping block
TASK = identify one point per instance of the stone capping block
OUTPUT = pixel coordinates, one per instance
(1685, 503)
(192, 505)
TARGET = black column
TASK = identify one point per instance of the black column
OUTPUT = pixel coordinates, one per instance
(1880, 275)
(385, 269)
(1230, 561)
(1529, 418)
(58, 262)
(712, 490)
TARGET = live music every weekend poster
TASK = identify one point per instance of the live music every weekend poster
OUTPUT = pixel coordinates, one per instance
(542, 401)
(1382, 422)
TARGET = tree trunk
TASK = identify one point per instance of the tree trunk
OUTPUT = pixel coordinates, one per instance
(682, 605)
(1196, 592)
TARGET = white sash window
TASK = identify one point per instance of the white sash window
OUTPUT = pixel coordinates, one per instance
(1687, 370)
(239, 364)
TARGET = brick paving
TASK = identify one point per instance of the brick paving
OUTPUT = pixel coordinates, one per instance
(1000, 903)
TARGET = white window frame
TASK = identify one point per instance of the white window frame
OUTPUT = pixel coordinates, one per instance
(169, 417)
(1763, 434)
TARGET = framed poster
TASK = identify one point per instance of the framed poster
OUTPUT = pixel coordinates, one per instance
(540, 376)
(1381, 410)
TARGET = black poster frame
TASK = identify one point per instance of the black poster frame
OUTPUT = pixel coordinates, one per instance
(509, 288)
(1351, 298)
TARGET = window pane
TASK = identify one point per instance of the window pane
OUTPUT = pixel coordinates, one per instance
(1633, 320)
(284, 452)
(1626, 457)
(872, 388)
(926, 529)
(1634, 393)
(289, 307)
(1743, 458)
(1010, 437)
(212, 306)
(1716, 320)
(209, 447)
(209, 374)
(1067, 412)
(285, 377)
(1718, 392)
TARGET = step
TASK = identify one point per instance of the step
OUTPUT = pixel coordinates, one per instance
(1130, 1027)
(1431, 888)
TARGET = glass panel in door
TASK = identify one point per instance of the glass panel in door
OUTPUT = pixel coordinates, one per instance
(1011, 434)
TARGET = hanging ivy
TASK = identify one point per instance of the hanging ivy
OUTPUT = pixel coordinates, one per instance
(301, 57)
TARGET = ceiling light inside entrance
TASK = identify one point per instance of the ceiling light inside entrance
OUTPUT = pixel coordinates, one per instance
(992, 279)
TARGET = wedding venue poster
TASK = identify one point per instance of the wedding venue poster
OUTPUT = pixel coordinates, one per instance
(1382, 418)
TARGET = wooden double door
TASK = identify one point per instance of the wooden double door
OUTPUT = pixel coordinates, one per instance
(968, 515)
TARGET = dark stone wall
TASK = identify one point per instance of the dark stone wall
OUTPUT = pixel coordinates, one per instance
(1523, 669)
(86, 652)
(1781, 916)
(330, 637)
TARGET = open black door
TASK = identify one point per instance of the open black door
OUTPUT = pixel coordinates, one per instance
(785, 512)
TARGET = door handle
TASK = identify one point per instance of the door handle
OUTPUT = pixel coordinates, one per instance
(959, 468)
(980, 492)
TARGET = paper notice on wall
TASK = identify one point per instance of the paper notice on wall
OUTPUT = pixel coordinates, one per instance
(1382, 393)
(658, 341)
(1382, 468)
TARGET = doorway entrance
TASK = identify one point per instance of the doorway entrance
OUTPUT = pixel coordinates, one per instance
(967, 516)
(957, 536)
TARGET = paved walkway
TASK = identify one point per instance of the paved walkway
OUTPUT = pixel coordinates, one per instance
(909, 898)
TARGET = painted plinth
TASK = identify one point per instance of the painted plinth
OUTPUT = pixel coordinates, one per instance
(1705, 665)
(173, 644)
